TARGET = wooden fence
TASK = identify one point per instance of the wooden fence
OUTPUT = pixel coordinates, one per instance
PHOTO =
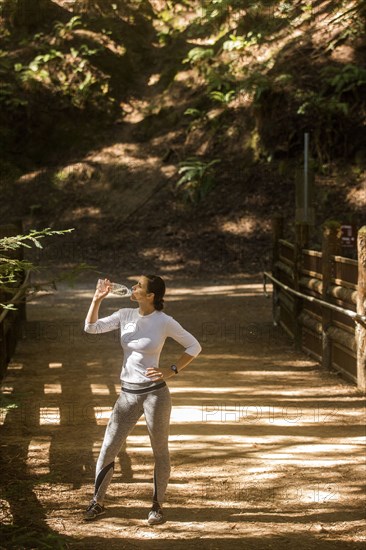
(11, 322)
(319, 298)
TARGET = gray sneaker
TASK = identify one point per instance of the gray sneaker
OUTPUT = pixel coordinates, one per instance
(93, 511)
(155, 516)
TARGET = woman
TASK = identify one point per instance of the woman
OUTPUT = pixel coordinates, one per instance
(143, 331)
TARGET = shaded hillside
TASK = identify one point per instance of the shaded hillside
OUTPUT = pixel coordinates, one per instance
(105, 103)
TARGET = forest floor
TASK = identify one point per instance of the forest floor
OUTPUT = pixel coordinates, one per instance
(266, 447)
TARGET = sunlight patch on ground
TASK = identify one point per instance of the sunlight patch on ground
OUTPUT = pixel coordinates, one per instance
(15, 366)
(326, 453)
(219, 356)
(186, 414)
(30, 176)
(154, 78)
(251, 289)
(139, 443)
(194, 389)
(86, 211)
(265, 372)
(357, 197)
(97, 445)
(99, 389)
(251, 390)
(6, 389)
(125, 155)
(165, 258)
(292, 363)
(6, 517)
(136, 110)
(102, 415)
(52, 388)
(244, 226)
(39, 455)
(49, 416)
(271, 413)
(55, 365)
(3, 415)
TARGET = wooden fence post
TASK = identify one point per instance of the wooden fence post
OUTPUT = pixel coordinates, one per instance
(361, 310)
(331, 246)
(277, 234)
(301, 241)
(301, 235)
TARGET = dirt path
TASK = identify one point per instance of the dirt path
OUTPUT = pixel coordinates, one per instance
(267, 449)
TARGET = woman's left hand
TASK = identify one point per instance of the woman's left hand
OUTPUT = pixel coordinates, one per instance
(157, 374)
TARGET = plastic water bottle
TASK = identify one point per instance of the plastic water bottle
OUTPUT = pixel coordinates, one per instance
(116, 288)
(120, 290)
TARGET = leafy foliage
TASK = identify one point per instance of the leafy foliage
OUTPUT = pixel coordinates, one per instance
(258, 50)
(197, 179)
(64, 30)
(69, 74)
(221, 97)
(11, 267)
(324, 95)
(64, 71)
(198, 54)
(348, 78)
(197, 118)
(237, 43)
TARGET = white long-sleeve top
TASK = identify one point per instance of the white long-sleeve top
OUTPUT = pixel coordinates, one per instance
(142, 338)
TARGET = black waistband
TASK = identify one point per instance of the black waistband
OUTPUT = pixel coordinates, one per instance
(145, 390)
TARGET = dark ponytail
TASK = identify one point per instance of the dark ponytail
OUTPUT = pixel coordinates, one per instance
(156, 285)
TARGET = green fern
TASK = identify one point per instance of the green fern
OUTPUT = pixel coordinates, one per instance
(198, 54)
(197, 179)
(222, 97)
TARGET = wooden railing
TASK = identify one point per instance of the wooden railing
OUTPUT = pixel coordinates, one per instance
(319, 299)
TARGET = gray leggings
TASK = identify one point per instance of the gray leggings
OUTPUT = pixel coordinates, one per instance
(129, 407)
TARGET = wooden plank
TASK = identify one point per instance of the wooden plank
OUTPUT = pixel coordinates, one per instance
(361, 309)
(286, 254)
(342, 337)
(286, 300)
(331, 245)
(344, 294)
(345, 272)
(312, 343)
(287, 244)
(310, 322)
(344, 362)
(312, 263)
(344, 322)
(312, 283)
(286, 321)
(314, 253)
(280, 266)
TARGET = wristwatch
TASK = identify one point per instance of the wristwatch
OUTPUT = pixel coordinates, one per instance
(174, 369)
